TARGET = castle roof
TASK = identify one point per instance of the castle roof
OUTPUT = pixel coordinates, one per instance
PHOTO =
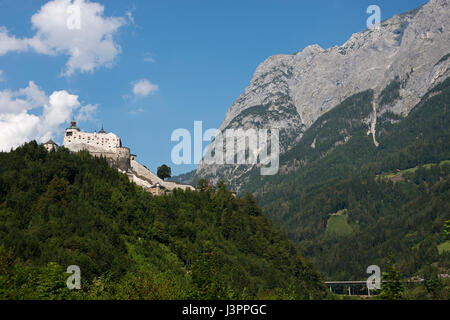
(73, 125)
(51, 142)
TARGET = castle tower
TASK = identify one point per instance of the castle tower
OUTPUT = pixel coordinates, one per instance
(71, 131)
(51, 145)
(73, 125)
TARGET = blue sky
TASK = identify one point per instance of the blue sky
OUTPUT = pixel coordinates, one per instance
(200, 54)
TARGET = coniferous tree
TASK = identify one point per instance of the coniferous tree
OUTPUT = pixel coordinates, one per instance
(391, 287)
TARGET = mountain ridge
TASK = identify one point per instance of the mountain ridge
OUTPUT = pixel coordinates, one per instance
(290, 92)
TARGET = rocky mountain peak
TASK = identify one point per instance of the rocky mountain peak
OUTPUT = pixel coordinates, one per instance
(290, 92)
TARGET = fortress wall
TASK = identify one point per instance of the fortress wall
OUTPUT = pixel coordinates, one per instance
(144, 173)
(119, 159)
(173, 185)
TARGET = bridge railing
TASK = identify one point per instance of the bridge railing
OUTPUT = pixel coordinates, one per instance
(357, 288)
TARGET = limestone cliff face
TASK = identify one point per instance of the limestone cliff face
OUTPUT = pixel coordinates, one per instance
(291, 92)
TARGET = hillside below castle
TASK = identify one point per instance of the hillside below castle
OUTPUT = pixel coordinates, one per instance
(109, 145)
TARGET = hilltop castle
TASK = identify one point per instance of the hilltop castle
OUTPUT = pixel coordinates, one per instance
(109, 145)
(98, 144)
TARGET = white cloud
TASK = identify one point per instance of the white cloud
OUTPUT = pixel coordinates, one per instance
(87, 37)
(86, 113)
(1, 76)
(15, 129)
(11, 43)
(57, 112)
(22, 100)
(144, 87)
(149, 59)
(136, 111)
(18, 124)
(129, 15)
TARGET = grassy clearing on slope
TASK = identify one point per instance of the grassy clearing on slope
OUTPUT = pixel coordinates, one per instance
(444, 247)
(338, 226)
(412, 170)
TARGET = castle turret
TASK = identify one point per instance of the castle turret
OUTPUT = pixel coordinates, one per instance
(71, 132)
(50, 145)
(73, 125)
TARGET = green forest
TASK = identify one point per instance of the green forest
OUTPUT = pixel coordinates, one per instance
(60, 208)
(334, 209)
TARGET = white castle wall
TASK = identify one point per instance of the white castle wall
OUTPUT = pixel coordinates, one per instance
(76, 140)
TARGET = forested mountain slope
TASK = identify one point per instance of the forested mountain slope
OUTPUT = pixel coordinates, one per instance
(59, 209)
(344, 200)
